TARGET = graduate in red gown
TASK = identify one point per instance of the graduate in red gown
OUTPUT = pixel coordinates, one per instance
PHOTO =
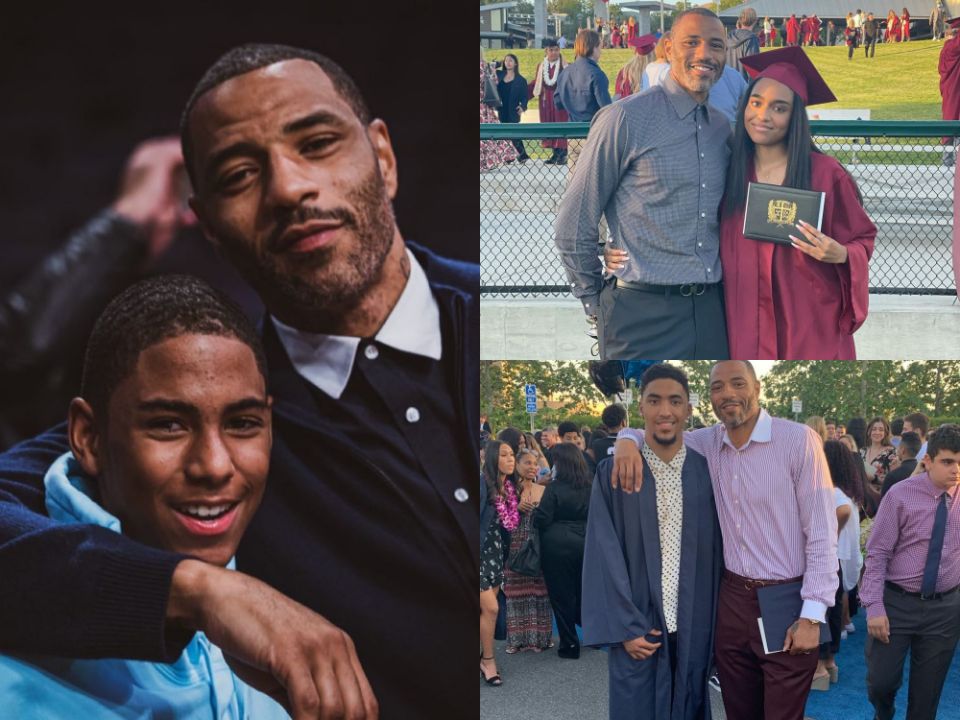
(543, 87)
(949, 67)
(789, 302)
(803, 301)
(793, 30)
(629, 78)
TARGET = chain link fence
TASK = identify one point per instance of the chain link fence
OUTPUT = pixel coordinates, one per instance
(904, 171)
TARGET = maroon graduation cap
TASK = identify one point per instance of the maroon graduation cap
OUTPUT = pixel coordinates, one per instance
(955, 23)
(792, 67)
(643, 44)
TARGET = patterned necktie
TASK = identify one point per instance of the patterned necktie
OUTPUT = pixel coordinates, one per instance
(932, 568)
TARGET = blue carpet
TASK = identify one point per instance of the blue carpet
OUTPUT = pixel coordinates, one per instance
(847, 700)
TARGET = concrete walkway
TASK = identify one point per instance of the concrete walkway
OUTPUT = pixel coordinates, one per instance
(898, 327)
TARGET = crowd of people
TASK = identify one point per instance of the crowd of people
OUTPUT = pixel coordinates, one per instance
(788, 503)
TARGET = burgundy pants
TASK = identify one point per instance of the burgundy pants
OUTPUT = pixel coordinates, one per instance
(756, 686)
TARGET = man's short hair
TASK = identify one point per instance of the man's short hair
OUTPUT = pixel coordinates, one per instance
(587, 41)
(896, 426)
(613, 415)
(911, 443)
(548, 429)
(662, 371)
(751, 371)
(945, 437)
(149, 312)
(748, 17)
(253, 56)
(551, 42)
(567, 426)
(695, 11)
(919, 422)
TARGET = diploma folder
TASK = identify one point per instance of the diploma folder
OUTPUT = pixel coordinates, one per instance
(773, 211)
(780, 606)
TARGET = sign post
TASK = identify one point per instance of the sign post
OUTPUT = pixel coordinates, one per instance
(797, 409)
(530, 390)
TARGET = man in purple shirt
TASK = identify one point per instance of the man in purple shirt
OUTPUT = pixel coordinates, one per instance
(775, 505)
(910, 585)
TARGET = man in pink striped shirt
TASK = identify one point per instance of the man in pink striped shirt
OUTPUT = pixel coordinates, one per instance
(910, 585)
(775, 505)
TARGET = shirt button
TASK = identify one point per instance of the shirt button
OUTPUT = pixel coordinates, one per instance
(699, 127)
(413, 415)
(708, 269)
(699, 244)
(702, 155)
(371, 352)
(461, 495)
(703, 214)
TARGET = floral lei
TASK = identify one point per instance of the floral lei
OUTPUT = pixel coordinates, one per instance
(506, 505)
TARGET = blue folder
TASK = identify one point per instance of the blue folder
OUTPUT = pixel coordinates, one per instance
(780, 606)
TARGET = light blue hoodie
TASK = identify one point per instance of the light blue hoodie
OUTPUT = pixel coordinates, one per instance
(198, 685)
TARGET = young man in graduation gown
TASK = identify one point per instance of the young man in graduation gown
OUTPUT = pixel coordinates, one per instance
(543, 88)
(652, 566)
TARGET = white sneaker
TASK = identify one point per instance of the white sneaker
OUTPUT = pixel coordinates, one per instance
(843, 634)
(851, 628)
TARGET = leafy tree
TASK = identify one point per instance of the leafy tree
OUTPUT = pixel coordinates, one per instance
(564, 389)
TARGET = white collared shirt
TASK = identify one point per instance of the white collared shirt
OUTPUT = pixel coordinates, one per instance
(761, 431)
(413, 326)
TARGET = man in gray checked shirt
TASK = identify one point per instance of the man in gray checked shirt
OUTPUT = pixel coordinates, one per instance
(654, 164)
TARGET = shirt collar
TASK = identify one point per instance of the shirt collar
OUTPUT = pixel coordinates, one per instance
(413, 326)
(762, 431)
(934, 490)
(680, 99)
(675, 464)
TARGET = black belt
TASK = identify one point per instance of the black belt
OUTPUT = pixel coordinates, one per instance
(685, 290)
(932, 596)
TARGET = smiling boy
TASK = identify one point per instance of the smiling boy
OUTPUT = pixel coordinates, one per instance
(170, 445)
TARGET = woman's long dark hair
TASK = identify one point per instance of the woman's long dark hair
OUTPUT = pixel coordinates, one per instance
(569, 465)
(857, 427)
(511, 436)
(491, 470)
(799, 146)
(845, 469)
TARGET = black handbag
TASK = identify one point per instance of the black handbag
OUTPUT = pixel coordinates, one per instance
(526, 561)
(491, 97)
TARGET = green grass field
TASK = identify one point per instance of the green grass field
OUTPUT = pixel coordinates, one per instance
(900, 83)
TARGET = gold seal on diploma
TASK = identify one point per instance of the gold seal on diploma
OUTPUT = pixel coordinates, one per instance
(781, 212)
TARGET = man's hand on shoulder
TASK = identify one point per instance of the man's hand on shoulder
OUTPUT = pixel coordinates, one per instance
(273, 643)
(627, 472)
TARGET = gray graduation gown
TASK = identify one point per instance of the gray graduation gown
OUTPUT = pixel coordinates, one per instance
(622, 596)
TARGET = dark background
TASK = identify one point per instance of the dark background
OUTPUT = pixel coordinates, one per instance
(80, 87)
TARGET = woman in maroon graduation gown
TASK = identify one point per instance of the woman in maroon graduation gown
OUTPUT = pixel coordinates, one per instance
(799, 302)
(803, 301)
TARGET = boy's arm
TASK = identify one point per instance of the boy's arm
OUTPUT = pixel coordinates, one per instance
(85, 591)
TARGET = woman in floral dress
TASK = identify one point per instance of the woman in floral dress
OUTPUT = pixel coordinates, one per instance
(529, 618)
(493, 153)
(878, 452)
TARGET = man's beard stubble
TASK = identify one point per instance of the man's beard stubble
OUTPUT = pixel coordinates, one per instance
(339, 289)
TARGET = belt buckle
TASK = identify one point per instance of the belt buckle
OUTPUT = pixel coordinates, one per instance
(686, 290)
(928, 596)
(701, 288)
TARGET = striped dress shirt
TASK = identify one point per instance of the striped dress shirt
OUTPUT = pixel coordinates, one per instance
(654, 164)
(775, 504)
(897, 548)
